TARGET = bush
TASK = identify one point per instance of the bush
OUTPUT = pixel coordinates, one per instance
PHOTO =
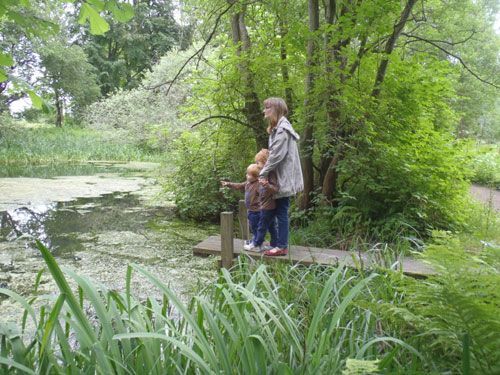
(202, 159)
(485, 165)
(147, 115)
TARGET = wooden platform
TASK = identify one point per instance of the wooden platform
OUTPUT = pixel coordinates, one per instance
(313, 255)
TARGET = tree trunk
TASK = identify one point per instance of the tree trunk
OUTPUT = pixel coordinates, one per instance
(252, 108)
(330, 154)
(307, 142)
(389, 47)
(284, 69)
(59, 110)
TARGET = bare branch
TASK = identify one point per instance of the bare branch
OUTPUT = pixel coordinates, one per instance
(434, 43)
(410, 35)
(199, 51)
(222, 117)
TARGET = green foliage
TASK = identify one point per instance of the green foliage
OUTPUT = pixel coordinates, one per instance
(69, 75)
(203, 158)
(485, 165)
(272, 319)
(244, 323)
(32, 22)
(43, 144)
(147, 116)
(456, 313)
(126, 51)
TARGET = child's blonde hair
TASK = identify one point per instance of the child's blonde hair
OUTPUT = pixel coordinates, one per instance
(253, 170)
(279, 109)
(261, 156)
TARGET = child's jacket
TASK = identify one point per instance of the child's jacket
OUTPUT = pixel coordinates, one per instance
(266, 194)
(251, 193)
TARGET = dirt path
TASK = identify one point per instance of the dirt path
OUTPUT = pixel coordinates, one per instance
(486, 195)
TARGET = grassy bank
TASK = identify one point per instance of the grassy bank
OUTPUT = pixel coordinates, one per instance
(23, 143)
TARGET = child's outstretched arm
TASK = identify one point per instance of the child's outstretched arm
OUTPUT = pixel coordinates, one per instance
(234, 185)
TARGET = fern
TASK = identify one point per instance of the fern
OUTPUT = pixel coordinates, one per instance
(457, 311)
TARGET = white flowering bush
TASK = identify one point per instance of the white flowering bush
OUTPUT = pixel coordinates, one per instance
(147, 114)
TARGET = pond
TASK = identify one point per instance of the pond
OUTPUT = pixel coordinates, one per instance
(96, 219)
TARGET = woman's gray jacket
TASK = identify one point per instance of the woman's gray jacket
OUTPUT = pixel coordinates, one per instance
(284, 159)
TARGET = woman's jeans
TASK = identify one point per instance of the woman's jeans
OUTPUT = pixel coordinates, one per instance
(282, 206)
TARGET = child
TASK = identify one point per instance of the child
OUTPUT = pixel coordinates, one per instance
(267, 208)
(251, 188)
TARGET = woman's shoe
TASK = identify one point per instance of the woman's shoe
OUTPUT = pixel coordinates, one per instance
(276, 252)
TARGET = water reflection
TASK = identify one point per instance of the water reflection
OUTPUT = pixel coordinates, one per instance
(26, 222)
(57, 225)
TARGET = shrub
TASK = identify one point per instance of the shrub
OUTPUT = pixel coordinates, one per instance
(147, 115)
(203, 158)
(456, 313)
(485, 165)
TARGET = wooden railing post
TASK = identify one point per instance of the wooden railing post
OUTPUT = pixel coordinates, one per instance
(226, 234)
(243, 219)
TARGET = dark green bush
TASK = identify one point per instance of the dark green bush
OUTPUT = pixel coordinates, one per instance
(202, 159)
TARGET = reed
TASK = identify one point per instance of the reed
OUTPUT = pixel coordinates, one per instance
(21, 145)
(255, 319)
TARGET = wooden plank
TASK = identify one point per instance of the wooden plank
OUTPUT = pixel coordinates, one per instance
(313, 255)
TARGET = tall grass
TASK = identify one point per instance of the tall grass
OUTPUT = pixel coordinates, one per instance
(259, 319)
(245, 323)
(44, 144)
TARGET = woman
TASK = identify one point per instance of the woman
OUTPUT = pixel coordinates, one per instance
(284, 160)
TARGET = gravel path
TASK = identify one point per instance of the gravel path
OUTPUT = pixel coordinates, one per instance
(486, 195)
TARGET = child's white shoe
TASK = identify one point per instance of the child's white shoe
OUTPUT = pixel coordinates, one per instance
(253, 247)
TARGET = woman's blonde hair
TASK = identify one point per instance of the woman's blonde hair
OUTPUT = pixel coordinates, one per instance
(279, 109)
(262, 155)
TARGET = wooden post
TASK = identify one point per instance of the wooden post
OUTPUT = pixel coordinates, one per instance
(243, 219)
(226, 234)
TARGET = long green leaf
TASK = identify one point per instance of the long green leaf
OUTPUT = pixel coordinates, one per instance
(85, 328)
(10, 362)
(105, 319)
(49, 325)
(187, 351)
(22, 301)
(199, 337)
(410, 348)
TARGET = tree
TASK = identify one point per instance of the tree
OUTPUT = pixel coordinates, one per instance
(373, 95)
(69, 77)
(127, 51)
(30, 22)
